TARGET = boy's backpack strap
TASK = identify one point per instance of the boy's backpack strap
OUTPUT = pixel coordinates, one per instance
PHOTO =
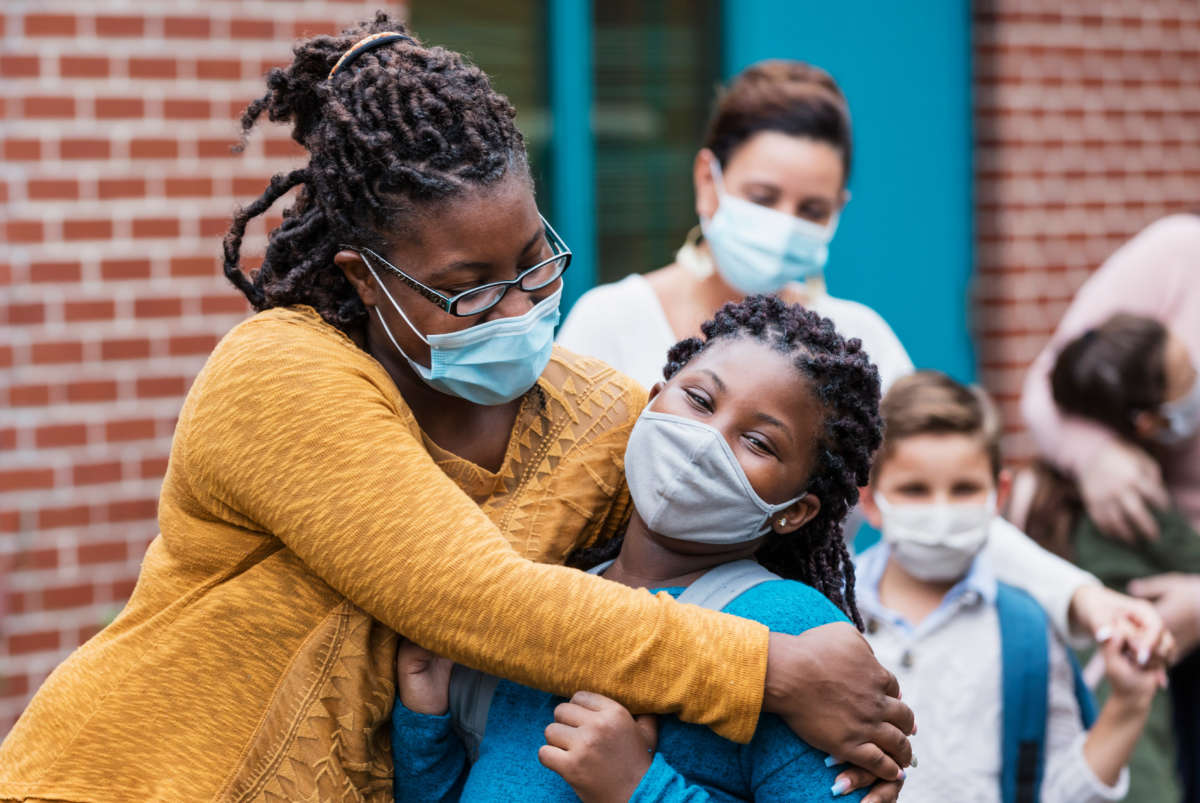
(722, 584)
(471, 694)
(1025, 672)
(1087, 702)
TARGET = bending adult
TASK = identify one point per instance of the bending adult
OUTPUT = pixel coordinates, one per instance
(770, 182)
(388, 446)
(1155, 275)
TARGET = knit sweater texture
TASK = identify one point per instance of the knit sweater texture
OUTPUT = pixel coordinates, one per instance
(305, 520)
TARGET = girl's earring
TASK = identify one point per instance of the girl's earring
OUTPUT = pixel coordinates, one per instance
(782, 521)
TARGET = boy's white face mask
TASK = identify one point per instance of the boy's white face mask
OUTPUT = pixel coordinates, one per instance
(936, 542)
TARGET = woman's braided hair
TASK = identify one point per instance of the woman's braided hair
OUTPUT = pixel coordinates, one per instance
(846, 383)
(404, 125)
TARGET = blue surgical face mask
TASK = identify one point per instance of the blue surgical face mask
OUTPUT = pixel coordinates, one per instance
(489, 363)
(759, 250)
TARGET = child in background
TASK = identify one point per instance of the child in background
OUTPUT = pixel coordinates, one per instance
(1135, 378)
(1002, 710)
(749, 456)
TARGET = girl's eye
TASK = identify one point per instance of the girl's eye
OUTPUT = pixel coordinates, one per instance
(966, 489)
(912, 489)
(698, 400)
(759, 445)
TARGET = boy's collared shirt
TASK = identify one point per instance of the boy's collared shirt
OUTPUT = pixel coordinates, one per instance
(949, 668)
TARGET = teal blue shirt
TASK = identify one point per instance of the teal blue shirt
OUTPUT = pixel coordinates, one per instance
(692, 762)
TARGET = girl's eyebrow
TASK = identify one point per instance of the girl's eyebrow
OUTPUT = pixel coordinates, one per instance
(766, 418)
(716, 379)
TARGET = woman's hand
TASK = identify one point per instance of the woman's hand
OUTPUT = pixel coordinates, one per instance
(1119, 488)
(829, 689)
(1133, 683)
(422, 679)
(1176, 597)
(1100, 610)
(599, 748)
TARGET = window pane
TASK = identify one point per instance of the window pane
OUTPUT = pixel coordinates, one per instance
(657, 65)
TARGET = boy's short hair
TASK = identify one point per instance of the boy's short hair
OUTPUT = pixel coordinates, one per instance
(931, 403)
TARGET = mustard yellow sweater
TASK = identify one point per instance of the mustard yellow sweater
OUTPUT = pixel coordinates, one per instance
(305, 519)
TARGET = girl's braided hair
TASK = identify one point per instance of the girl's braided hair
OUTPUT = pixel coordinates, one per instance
(402, 126)
(846, 383)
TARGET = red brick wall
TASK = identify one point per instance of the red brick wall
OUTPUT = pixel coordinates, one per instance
(1087, 128)
(116, 185)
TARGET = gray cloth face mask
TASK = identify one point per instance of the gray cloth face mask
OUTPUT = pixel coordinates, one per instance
(686, 483)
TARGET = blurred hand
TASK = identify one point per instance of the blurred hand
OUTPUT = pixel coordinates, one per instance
(422, 679)
(827, 686)
(1119, 488)
(1133, 685)
(599, 748)
(1100, 611)
(1176, 597)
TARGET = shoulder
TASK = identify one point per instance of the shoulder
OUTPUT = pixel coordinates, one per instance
(589, 398)
(598, 305)
(855, 319)
(1168, 244)
(283, 337)
(289, 360)
(786, 606)
(1181, 230)
(589, 380)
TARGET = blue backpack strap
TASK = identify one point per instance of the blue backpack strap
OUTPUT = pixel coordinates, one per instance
(1025, 670)
(1087, 702)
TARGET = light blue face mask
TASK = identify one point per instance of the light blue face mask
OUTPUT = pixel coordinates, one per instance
(489, 363)
(759, 250)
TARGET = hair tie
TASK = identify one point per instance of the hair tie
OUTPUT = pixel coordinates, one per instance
(365, 45)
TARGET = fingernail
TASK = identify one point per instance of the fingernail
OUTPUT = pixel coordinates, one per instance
(830, 761)
(840, 788)
(902, 775)
(1144, 656)
(1103, 634)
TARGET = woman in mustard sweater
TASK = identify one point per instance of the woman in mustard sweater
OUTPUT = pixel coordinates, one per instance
(392, 444)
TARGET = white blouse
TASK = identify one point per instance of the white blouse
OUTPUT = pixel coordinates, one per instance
(624, 324)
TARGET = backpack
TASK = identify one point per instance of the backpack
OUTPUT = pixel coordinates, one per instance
(1025, 673)
(471, 690)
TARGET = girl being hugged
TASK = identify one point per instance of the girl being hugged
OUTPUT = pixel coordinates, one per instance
(742, 470)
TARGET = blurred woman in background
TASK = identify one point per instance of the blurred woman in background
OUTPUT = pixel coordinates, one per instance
(1122, 482)
(770, 184)
(1137, 380)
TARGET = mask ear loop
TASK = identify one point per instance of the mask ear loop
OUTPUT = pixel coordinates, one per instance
(397, 307)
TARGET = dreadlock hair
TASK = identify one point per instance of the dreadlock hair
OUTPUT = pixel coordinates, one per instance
(403, 126)
(845, 382)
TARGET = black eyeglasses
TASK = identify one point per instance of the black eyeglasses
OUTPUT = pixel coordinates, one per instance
(485, 296)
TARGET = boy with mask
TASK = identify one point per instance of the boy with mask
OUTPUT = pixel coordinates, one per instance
(1003, 712)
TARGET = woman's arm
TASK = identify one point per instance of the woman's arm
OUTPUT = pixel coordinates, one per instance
(297, 434)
